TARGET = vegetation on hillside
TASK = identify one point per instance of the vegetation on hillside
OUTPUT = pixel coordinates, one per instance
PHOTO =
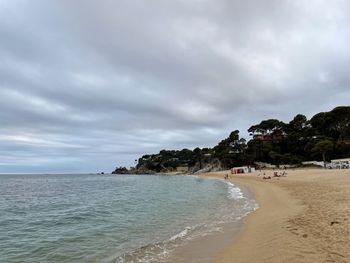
(325, 136)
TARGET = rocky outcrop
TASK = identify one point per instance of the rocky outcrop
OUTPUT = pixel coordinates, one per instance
(121, 170)
(199, 167)
(132, 170)
(212, 166)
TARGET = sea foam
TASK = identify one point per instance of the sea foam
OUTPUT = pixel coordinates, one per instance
(234, 192)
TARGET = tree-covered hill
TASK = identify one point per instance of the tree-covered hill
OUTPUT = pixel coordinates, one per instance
(325, 136)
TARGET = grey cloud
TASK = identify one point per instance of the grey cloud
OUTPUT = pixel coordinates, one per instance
(94, 84)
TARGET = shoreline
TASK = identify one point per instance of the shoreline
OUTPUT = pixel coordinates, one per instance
(205, 248)
(303, 217)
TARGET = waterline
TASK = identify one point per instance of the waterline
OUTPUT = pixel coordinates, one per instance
(89, 218)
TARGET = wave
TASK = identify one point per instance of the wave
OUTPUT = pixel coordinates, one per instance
(156, 252)
(234, 192)
(240, 206)
(182, 234)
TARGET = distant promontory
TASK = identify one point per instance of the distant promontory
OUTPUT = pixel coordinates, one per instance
(323, 137)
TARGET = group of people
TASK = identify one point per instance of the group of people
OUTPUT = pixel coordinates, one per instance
(279, 174)
(275, 174)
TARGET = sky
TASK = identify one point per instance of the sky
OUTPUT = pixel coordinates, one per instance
(88, 85)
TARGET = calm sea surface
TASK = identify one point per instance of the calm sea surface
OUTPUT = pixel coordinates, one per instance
(94, 218)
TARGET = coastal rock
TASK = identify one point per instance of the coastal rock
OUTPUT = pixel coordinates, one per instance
(120, 170)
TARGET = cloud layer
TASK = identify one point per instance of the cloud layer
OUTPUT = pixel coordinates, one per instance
(87, 85)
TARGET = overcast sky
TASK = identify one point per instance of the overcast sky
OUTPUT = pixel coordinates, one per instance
(89, 85)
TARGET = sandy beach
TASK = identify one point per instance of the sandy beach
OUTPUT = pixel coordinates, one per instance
(304, 217)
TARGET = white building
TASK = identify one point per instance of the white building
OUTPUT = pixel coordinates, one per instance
(242, 170)
(340, 163)
(317, 163)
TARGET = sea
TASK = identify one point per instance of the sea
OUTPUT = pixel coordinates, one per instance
(116, 218)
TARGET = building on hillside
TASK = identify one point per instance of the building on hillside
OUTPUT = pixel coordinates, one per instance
(263, 137)
(274, 137)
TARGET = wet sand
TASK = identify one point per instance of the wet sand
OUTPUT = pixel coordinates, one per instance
(304, 217)
(204, 248)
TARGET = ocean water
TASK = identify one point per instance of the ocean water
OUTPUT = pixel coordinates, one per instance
(95, 218)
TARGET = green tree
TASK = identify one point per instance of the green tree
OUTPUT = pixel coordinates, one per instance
(197, 152)
(322, 147)
(267, 127)
(339, 124)
(298, 123)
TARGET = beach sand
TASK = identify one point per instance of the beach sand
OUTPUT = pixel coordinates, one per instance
(304, 217)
